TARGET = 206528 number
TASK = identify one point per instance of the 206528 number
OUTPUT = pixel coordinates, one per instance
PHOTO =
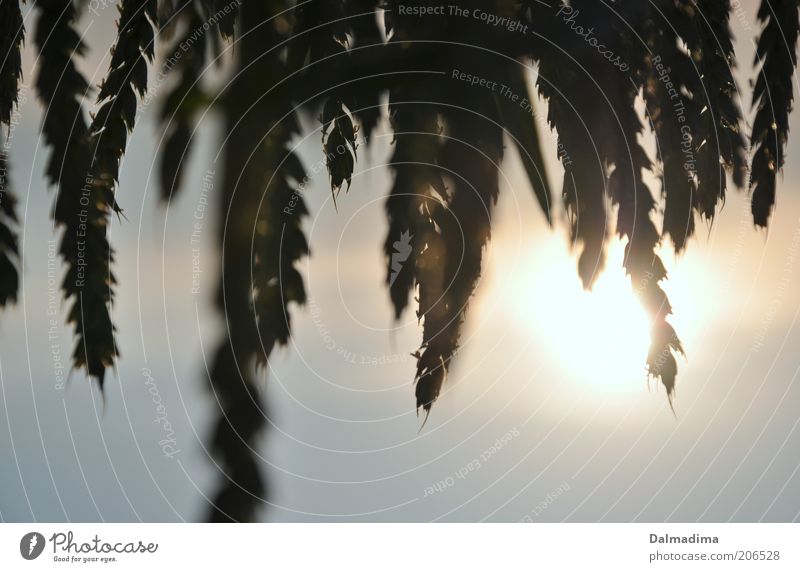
(758, 555)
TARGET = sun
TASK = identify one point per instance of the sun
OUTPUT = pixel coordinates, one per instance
(598, 339)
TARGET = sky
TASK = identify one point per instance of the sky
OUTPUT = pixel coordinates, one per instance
(547, 414)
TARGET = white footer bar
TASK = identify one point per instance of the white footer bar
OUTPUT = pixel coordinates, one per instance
(401, 547)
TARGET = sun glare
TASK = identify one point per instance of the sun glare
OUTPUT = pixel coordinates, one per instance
(599, 339)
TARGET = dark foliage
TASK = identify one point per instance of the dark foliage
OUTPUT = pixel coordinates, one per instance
(563, 85)
(719, 145)
(320, 41)
(227, 12)
(81, 207)
(9, 247)
(184, 64)
(365, 38)
(673, 112)
(12, 34)
(773, 96)
(262, 210)
(418, 189)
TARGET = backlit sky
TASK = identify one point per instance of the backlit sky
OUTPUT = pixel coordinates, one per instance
(547, 415)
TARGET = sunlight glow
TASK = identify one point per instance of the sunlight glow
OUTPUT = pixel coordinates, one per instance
(599, 339)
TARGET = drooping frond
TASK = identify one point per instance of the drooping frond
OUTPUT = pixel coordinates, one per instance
(429, 269)
(261, 242)
(241, 417)
(413, 247)
(417, 185)
(127, 77)
(318, 50)
(416, 208)
(455, 228)
(572, 113)
(773, 96)
(472, 155)
(601, 92)
(635, 206)
(519, 119)
(719, 143)
(107, 139)
(627, 163)
(226, 12)
(670, 79)
(12, 34)
(449, 262)
(9, 247)
(81, 208)
(184, 61)
(366, 41)
(278, 242)
(339, 143)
